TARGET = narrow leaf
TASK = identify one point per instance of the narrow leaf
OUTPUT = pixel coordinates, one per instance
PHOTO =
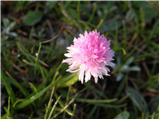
(137, 99)
(31, 99)
(32, 17)
(8, 87)
(67, 81)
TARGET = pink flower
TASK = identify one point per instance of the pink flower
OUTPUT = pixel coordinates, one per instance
(90, 55)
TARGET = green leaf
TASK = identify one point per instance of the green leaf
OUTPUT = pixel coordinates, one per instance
(91, 101)
(28, 101)
(122, 115)
(20, 5)
(67, 81)
(16, 84)
(32, 17)
(111, 26)
(50, 5)
(8, 87)
(28, 56)
(137, 99)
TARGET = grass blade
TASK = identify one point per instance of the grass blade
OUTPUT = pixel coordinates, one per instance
(50, 114)
(137, 100)
(31, 99)
(8, 87)
(92, 101)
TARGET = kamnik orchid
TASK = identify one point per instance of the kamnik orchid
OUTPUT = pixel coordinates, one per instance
(90, 55)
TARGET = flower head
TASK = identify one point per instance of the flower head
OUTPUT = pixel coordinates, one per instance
(90, 55)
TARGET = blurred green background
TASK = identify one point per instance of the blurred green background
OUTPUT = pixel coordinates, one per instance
(34, 37)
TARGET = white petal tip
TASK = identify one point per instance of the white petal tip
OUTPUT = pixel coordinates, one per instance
(96, 80)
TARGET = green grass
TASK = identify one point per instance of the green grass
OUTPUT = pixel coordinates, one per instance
(34, 37)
